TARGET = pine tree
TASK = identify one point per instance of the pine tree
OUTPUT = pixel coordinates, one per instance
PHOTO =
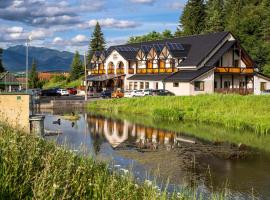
(193, 17)
(33, 81)
(2, 69)
(97, 42)
(77, 68)
(214, 16)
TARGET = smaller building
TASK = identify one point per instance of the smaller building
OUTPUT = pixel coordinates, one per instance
(9, 83)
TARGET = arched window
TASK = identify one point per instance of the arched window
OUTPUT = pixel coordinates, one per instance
(111, 65)
(121, 65)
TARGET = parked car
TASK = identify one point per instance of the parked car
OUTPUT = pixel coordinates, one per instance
(266, 92)
(106, 94)
(138, 93)
(63, 92)
(50, 92)
(117, 94)
(72, 91)
(148, 92)
(164, 93)
(128, 93)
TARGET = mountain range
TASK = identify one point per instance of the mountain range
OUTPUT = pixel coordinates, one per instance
(14, 59)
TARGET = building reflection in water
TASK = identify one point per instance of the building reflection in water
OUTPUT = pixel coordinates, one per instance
(123, 132)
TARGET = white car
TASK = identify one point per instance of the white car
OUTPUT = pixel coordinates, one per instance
(137, 93)
(128, 93)
(148, 92)
(63, 92)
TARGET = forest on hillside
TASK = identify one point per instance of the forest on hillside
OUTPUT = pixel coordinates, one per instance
(247, 20)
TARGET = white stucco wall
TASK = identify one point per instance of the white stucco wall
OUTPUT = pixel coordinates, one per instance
(152, 84)
(116, 58)
(257, 84)
(182, 90)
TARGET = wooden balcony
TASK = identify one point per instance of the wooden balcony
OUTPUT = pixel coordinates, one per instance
(234, 70)
(131, 71)
(155, 70)
(96, 71)
(110, 71)
(241, 91)
(120, 71)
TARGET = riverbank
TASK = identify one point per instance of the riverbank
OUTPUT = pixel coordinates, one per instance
(31, 167)
(234, 111)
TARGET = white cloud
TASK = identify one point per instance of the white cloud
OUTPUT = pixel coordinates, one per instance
(79, 39)
(57, 40)
(143, 1)
(176, 5)
(110, 23)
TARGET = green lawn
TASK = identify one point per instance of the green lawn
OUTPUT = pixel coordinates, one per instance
(235, 111)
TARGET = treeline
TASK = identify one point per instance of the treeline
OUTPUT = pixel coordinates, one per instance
(248, 20)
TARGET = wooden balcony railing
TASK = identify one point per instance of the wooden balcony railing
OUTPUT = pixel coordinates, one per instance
(100, 71)
(236, 70)
(155, 70)
(131, 71)
(241, 91)
(110, 71)
(120, 71)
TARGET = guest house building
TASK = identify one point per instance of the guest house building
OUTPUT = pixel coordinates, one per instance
(191, 65)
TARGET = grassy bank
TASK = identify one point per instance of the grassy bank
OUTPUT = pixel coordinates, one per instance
(235, 111)
(31, 168)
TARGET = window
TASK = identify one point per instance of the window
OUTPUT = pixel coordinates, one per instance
(263, 86)
(242, 84)
(227, 84)
(199, 86)
(175, 84)
(215, 85)
(130, 85)
(135, 85)
(146, 85)
(141, 85)
(156, 85)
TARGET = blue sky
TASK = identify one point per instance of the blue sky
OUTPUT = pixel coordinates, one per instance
(68, 24)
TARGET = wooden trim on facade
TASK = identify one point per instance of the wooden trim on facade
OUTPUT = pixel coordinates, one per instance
(236, 70)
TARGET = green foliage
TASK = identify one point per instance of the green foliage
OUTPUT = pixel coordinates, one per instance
(166, 34)
(32, 168)
(77, 68)
(214, 16)
(33, 81)
(240, 112)
(63, 82)
(97, 42)
(193, 17)
(2, 69)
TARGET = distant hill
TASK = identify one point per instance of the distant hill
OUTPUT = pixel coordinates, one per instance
(47, 59)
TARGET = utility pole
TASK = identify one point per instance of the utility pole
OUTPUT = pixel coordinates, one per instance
(28, 40)
(85, 77)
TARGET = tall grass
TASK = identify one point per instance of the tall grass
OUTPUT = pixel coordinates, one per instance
(241, 112)
(32, 168)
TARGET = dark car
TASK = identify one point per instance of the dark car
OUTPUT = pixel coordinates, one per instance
(72, 91)
(164, 93)
(50, 92)
(106, 94)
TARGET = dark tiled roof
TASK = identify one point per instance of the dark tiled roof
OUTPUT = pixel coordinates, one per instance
(220, 53)
(149, 77)
(188, 75)
(196, 47)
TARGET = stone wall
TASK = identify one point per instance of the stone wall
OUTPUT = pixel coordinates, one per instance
(15, 110)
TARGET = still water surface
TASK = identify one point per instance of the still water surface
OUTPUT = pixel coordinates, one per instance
(164, 153)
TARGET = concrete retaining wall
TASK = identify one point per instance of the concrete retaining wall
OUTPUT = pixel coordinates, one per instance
(56, 104)
(15, 110)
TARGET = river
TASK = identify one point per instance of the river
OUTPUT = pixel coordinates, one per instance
(192, 155)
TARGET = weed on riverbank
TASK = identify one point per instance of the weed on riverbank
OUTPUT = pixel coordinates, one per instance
(235, 111)
(32, 168)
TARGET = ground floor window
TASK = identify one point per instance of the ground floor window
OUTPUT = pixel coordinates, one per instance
(242, 84)
(227, 84)
(199, 86)
(215, 85)
(135, 85)
(263, 86)
(130, 85)
(141, 85)
(175, 84)
(146, 85)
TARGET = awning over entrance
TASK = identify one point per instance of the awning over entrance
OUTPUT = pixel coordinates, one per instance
(104, 77)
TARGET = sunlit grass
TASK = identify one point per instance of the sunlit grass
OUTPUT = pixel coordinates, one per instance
(235, 111)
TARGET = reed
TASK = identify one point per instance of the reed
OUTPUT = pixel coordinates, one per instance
(234, 111)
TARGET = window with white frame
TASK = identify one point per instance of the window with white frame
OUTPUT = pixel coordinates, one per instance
(199, 85)
(141, 85)
(135, 85)
(146, 85)
(175, 84)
